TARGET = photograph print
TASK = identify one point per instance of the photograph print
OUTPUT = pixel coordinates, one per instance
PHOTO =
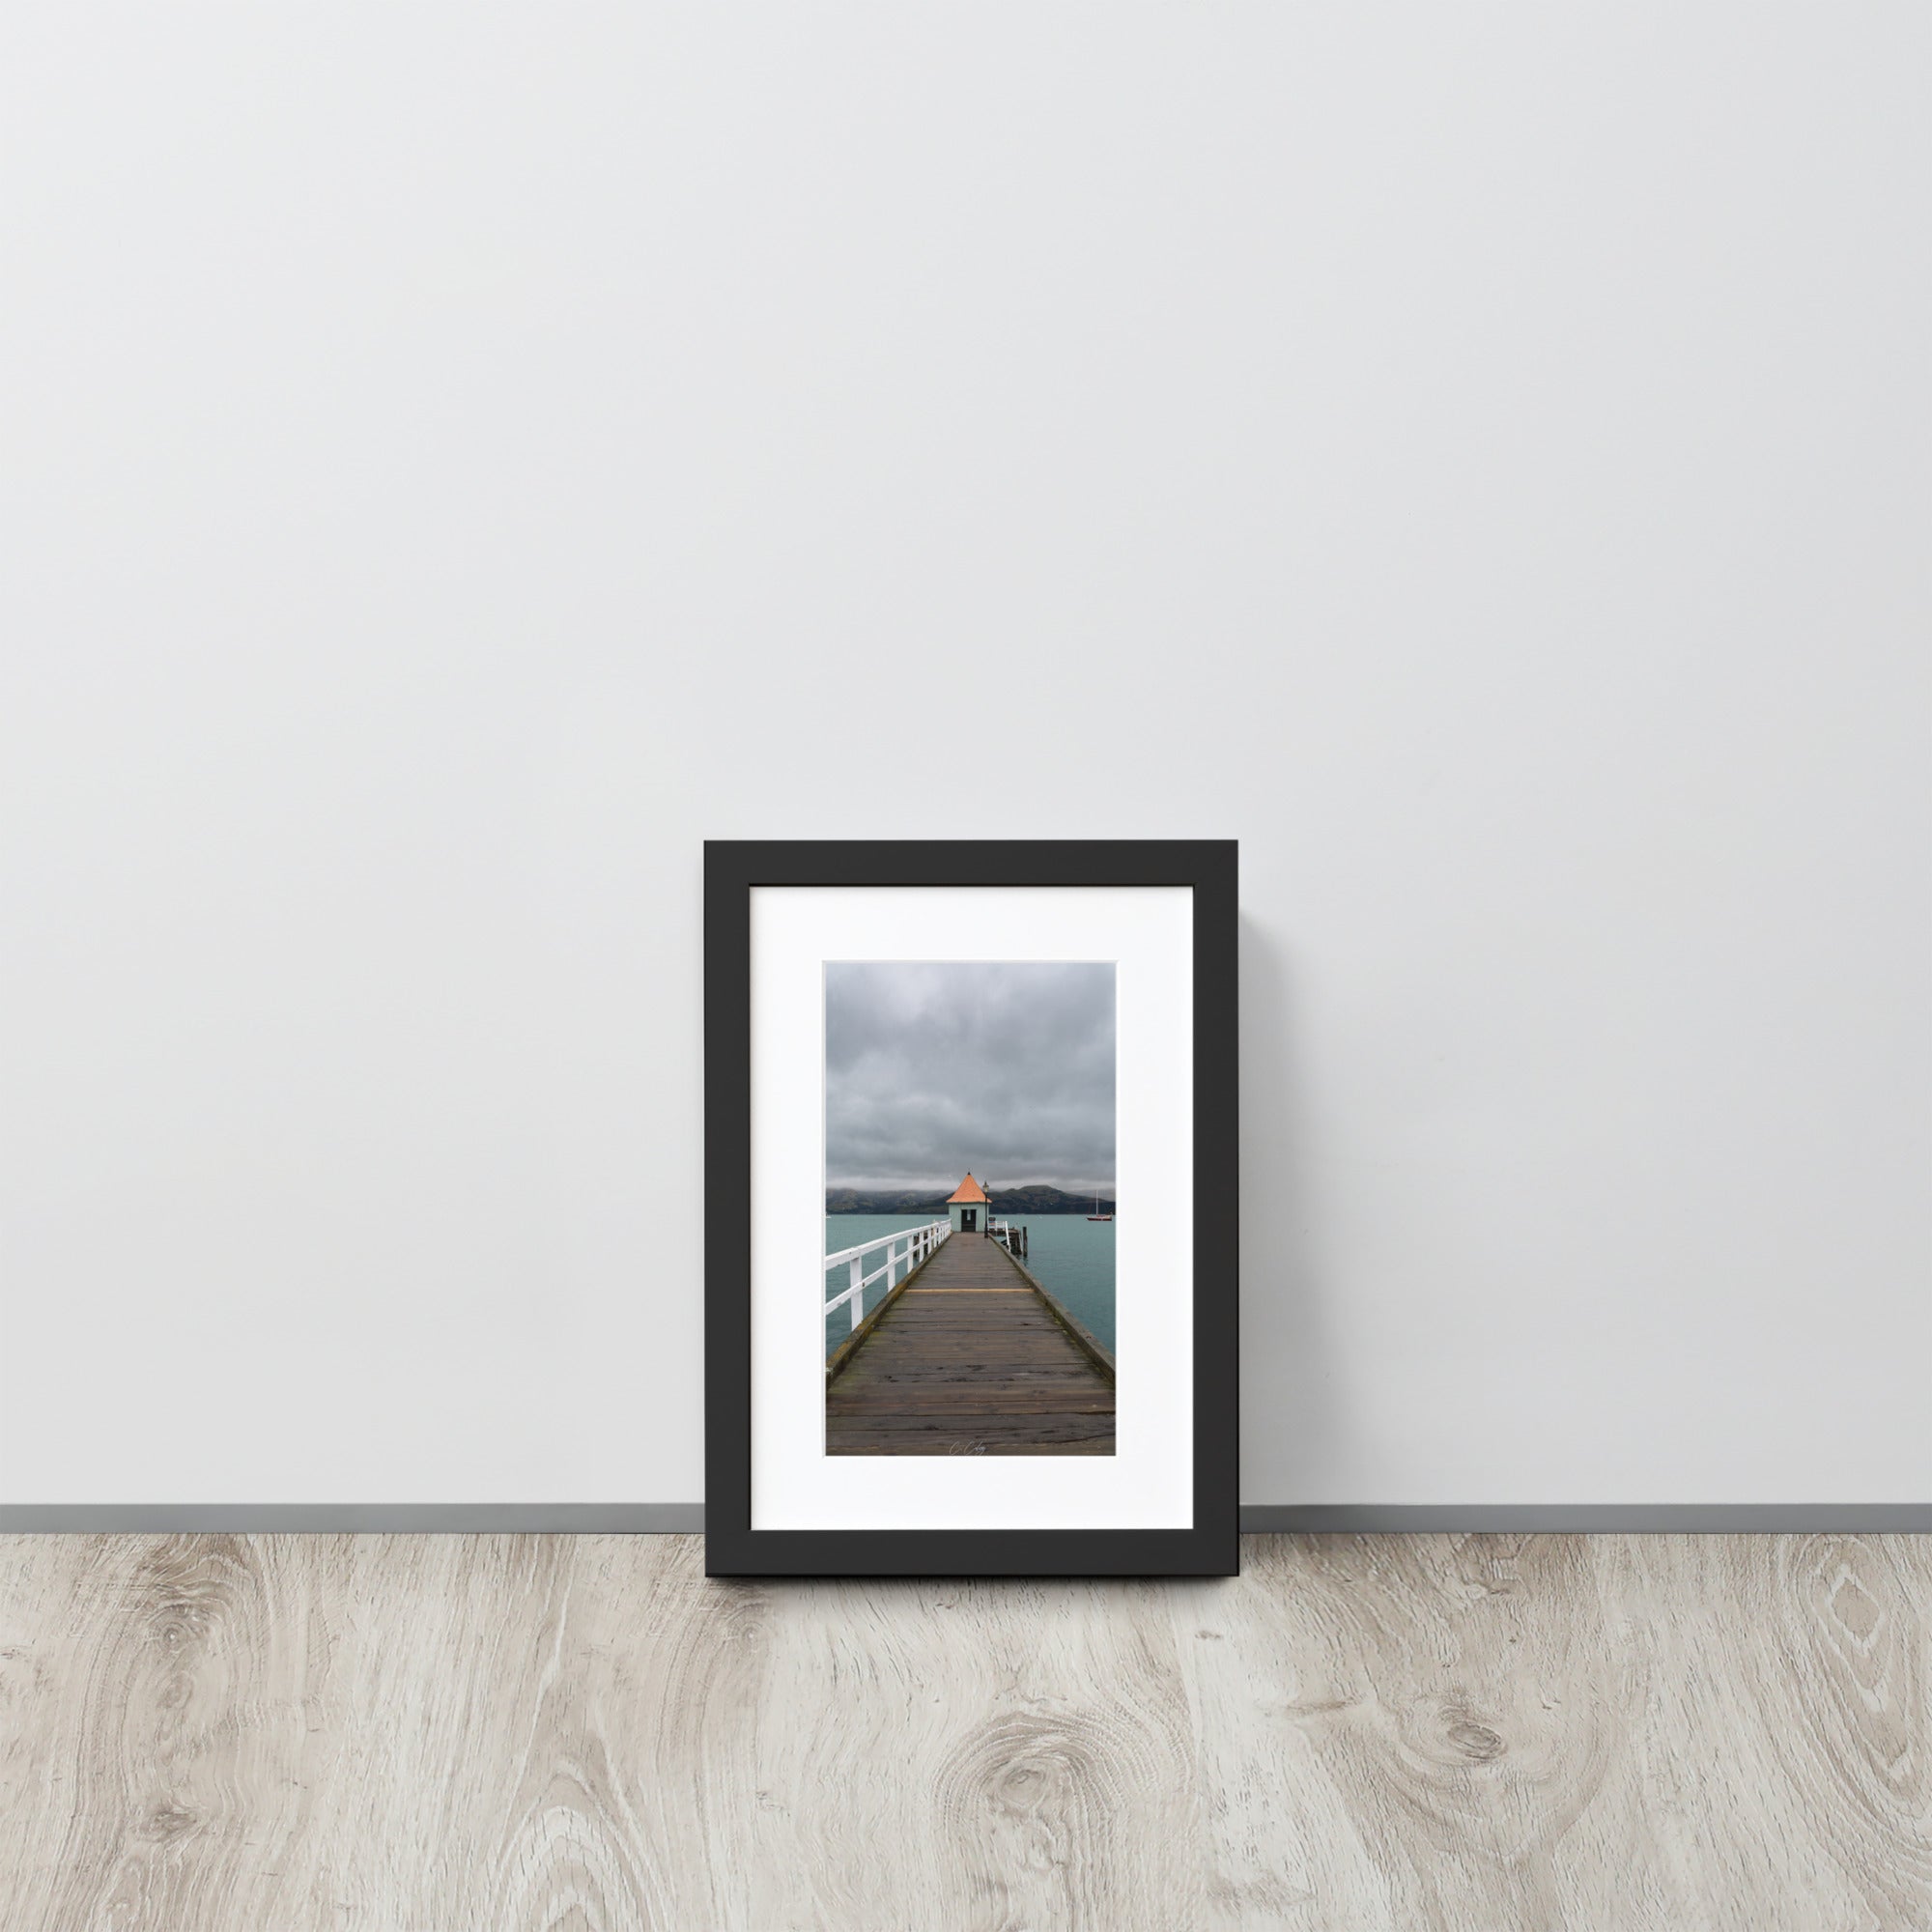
(972, 1259)
(969, 1207)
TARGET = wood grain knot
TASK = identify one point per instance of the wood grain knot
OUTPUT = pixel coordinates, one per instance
(1050, 1774)
(179, 1624)
(1476, 1742)
(1452, 1737)
(1855, 1610)
(166, 1823)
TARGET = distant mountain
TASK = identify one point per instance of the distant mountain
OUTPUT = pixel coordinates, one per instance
(1036, 1199)
(901, 1201)
(1039, 1199)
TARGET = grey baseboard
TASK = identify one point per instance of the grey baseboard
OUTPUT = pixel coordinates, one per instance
(633, 1519)
(1594, 1518)
(359, 1518)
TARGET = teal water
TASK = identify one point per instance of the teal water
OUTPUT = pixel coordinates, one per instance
(1072, 1256)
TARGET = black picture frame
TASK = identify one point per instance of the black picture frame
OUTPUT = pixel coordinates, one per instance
(1209, 1546)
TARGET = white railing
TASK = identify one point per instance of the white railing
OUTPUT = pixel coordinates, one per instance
(920, 1244)
(1011, 1235)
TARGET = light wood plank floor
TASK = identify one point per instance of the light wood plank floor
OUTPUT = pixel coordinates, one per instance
(448, 1734)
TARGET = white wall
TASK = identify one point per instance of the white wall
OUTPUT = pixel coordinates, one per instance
(456, 460)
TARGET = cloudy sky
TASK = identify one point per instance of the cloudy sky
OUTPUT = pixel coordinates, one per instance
(931, 1069)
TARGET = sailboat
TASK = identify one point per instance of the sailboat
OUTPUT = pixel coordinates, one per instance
(1097, 1215)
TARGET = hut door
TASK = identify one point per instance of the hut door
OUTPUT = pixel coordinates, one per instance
(969, 1220)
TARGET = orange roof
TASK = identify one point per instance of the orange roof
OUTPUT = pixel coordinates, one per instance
(968, 1190)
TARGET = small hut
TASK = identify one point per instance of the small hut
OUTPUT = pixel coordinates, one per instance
(969, 1207)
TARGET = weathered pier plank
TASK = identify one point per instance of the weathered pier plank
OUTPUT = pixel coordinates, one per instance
(968, 1361)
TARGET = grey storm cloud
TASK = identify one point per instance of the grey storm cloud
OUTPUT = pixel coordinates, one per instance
(934, 1068)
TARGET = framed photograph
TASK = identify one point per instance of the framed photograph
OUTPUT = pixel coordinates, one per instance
(971, 1238)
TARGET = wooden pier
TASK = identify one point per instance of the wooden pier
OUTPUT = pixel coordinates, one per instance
(969, 1357)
